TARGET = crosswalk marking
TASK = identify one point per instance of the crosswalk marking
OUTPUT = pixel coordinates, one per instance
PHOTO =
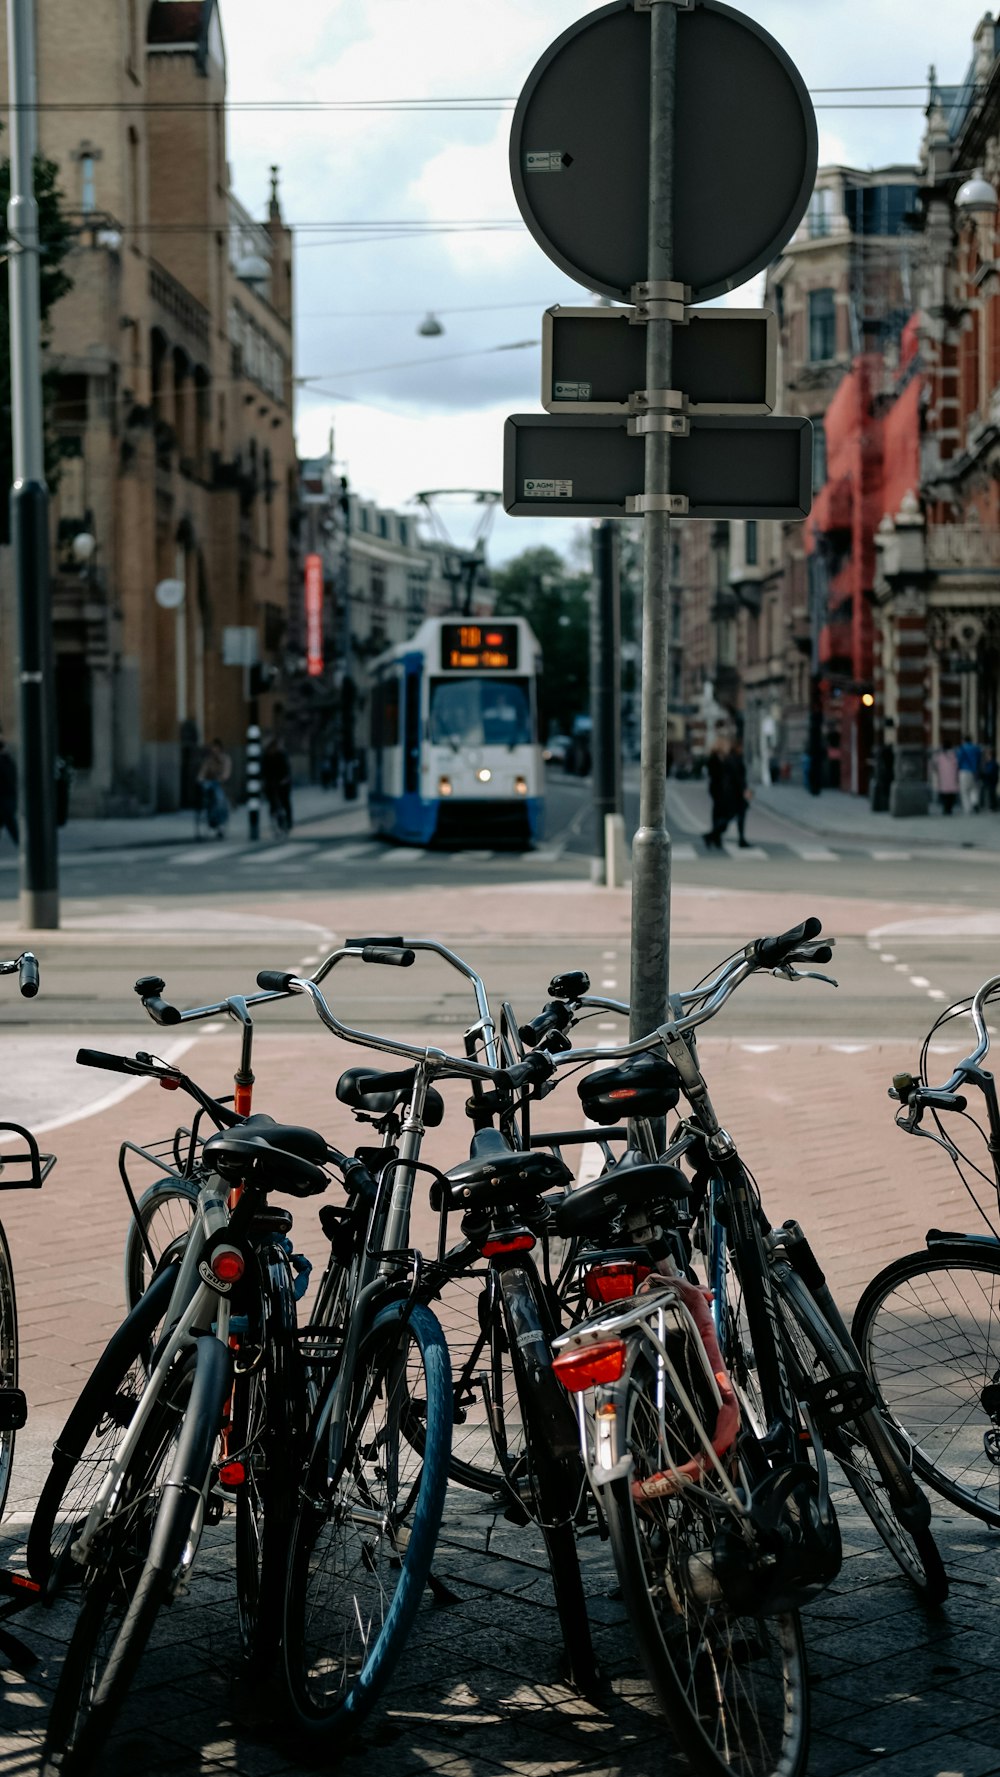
(684, 854)
(277, 854)
(344, 854)
(205, 854)
(890, 857)
(814, 854)
(746, 853)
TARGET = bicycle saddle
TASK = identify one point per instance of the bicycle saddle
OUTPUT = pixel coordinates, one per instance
(634, 1181)
(362, 1089)
(495, 1175)
(641, 1086)
(272, 1156)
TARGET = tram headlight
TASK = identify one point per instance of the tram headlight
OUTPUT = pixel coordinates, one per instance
(484, 775)
(444, 786)
(521, 785)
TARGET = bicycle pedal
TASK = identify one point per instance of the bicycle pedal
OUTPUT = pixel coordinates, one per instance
(215, 1506)
(13, 1409)
(836, 1400)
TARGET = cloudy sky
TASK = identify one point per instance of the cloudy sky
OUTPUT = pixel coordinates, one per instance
(376, 195)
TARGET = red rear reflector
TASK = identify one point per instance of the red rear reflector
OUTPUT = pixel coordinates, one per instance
(508, 1243)
(25, 1585)
(625, 1092)
(232, 1474)
(227, 1264)
(170, 1085)
(590, 1364)
(610, 1283)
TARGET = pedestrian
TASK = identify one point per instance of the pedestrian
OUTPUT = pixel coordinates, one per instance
(720, 791)
(276, 773)
(214, 773)
(989, 772)
(8, 792)
(946, 777)
(740, 792)
(969, 762)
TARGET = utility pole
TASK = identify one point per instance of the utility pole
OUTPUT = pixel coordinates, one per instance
(29, 498)
(605, 704)
(651, 845)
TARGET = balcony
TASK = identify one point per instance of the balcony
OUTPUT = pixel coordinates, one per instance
(951, 546)
(832, 506)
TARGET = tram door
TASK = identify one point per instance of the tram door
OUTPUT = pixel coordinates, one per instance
(411, 725)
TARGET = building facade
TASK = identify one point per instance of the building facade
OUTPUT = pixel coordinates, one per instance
(173, 362)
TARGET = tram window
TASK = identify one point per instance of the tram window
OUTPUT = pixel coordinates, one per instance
(385, 713)
(480, 712)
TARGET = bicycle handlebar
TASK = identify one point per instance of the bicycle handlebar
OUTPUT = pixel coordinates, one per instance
(26, 968)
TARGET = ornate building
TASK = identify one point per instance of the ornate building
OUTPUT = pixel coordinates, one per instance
(173, 355)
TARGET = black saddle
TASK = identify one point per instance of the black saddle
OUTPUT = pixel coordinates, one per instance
(363, 1089)
(640, 1086)
(495, 1175)
(635, 1181)
(270, 1156)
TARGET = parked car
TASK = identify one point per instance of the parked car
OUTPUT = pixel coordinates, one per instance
(556, 749)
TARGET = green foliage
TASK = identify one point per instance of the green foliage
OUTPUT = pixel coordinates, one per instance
(538, 585)
(56, 235)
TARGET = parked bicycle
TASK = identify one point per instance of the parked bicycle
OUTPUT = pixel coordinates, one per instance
(928, 1326)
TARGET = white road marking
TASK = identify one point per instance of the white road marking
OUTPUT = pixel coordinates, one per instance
(934, 993)
(277, 854)
(209, 853)
(850, 1048)
(609, 981)
(891, 857)
(815, 854)
(919, 981)
(369, 849)
(747, 853)
(683, 854)
(886, 956)
(759, 1048)
(479, 857)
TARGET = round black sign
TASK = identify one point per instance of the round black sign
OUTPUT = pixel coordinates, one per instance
(745, 149)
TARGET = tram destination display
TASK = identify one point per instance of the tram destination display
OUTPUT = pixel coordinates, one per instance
(472, 647)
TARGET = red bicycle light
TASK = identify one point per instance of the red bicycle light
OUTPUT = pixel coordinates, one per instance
(508, 1243)
(227, 1264)
(588, 1365)
(232, 1474)
(611, 1283)
(170, 1085)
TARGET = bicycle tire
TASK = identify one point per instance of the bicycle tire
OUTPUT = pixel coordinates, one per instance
(8, 1357)
(91, 1435)
(376, 1582)
(166, 1211)
(936, 1399)
(267, 1423)
(466, 1312)
(734, 1688)
(865, 1448)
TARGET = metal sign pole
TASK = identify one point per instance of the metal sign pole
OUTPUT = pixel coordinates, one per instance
(29, 498)
(651, 845)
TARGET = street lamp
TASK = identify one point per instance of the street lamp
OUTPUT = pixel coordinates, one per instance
(977, 197)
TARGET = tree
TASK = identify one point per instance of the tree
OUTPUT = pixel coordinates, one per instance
(539, 585)
(56, 236)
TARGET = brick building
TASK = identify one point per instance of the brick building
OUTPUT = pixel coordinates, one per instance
(174, 359)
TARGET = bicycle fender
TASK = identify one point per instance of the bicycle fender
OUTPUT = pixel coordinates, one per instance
(192, 1464)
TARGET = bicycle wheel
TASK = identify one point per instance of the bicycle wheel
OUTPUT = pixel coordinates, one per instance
(486, 1411)
(166, 1211)
(928, 1329)
(872, 1460)
(8, 1357)
(364, 1534)
(267, 1424)
(733, 1687)
(90, 1437)
(135, 1561)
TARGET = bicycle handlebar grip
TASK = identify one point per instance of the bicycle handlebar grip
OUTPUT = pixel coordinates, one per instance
(554, 1016)
(275, 980)
(362, 943)
(821, 954)
(27, 969)
(395, 957)
(535, 1068)
(113, 1064)
(772, 951)
(160, 1012)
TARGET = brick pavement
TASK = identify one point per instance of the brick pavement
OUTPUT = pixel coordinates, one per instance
(479, 1689)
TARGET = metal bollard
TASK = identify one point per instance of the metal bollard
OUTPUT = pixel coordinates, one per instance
(253, 780)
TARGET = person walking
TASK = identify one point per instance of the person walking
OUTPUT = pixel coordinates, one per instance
(946, 777)
(720, 791)
(740, 792)
(989, 773)
(214, 774)
(276, 772)
(8, 792)
(969, 761)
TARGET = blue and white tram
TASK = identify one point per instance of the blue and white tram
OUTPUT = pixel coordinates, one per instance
(455, 753)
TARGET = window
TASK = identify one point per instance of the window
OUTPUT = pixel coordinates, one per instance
(880, 209)
(134, 192)
(822, 326)
(88, 199)
(385, 712)
(480, 713)
(819, 451)
(822, 210)
(750, 543)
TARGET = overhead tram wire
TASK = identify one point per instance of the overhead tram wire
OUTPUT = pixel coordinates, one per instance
(431, 103)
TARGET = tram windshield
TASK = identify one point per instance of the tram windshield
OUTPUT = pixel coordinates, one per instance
(480, 713)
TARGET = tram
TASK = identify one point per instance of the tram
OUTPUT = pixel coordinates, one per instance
(455, 754)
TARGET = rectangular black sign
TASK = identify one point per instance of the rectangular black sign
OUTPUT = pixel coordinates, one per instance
(479, 647)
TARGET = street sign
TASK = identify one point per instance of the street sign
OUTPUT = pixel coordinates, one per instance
(594, 360)
(744, 140)
(593, 466)
(239, 645)
(169, 594)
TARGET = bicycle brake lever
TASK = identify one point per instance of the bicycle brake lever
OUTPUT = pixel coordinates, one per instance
(792, 974)
(907, 1119)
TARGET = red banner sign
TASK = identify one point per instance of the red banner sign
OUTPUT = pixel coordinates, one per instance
(314, 615)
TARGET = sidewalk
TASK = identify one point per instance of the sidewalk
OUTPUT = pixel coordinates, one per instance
(834, 814)
(314, 809)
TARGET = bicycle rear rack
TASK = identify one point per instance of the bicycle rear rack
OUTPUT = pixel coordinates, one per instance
(39, 1165)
